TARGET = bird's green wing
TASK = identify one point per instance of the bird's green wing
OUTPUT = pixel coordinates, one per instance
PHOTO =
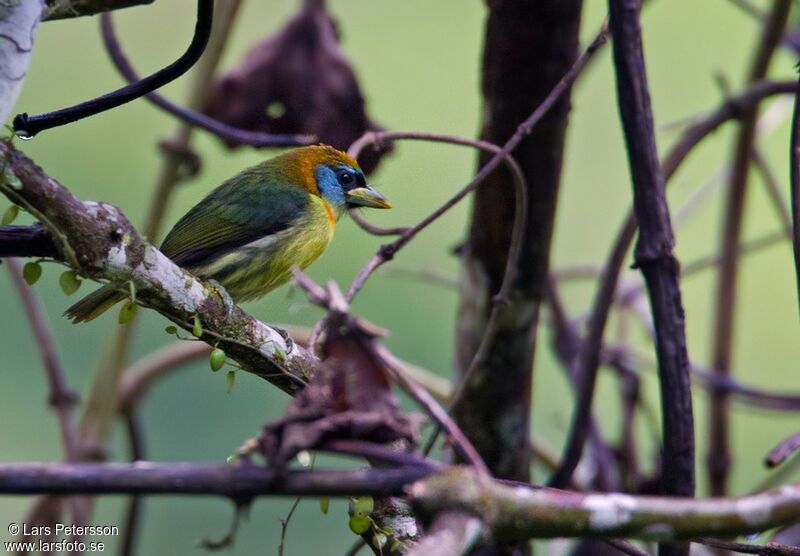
(246, 208)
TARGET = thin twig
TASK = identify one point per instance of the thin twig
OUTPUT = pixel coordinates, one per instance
(782, 451)
(388, 251)
(395, 368)
(773, 190)
(769, 549)
(794, 181)
(133, 509)
(187, 115)
(502, 154)
(718, 452)
(730, 109)
(437, 412)
(61, 398)
(285, 524)
(29, 126)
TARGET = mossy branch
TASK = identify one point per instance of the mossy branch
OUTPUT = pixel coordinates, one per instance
(517, 513)
(97, 241)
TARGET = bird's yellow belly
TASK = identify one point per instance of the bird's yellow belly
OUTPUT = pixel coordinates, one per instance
(265, 264)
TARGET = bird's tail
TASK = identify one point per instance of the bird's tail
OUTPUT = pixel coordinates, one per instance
(94, 304)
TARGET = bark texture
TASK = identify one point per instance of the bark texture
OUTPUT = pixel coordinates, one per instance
(529, 46)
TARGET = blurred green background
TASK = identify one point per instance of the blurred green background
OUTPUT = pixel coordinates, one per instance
(418, 63)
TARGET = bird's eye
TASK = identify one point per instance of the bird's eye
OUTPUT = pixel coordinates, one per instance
(347, 178)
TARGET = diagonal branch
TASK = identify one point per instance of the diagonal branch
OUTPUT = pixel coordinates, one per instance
(98, 241)
(193, 117)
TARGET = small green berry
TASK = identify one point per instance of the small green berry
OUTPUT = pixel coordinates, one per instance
(197, 329)
(230, 377)
(359, 524)
(31, 272)
(217, 359)
(324, 504)
(171, 330)
(363, 505)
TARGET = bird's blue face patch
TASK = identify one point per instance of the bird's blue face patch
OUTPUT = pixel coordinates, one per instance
(334, 182)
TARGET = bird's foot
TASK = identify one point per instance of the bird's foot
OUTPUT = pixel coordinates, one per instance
(227, 300)
(286, 337)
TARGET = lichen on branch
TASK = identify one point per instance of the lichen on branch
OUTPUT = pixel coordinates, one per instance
(97, 241)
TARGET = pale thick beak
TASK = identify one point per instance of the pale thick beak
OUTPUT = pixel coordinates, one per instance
(367, 197)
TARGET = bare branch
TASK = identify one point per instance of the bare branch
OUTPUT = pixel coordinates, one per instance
(192, 117)
(515, 513)
(234, 481)
(26, 241)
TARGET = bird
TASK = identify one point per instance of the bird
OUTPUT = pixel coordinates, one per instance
(250, 232)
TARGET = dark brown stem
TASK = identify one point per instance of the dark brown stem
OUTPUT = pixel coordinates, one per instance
(187, 115)
(718, 455)
(653, 254)
(234, 481)
(794, 183)
(27, 241)
(133, 509)
(28, 126)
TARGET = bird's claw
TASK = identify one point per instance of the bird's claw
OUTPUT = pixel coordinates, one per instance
(286, 337)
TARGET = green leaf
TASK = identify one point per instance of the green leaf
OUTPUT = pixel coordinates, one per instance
(197, 329)
(324, 504)
(69, 282)
(230, 377)
(171, 330)
(31, 272)
(363, 505)
(359, 524)
(10, 215)
(128, 312)
(217, 359)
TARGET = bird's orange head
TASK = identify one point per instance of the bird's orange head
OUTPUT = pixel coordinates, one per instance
(331, 174)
